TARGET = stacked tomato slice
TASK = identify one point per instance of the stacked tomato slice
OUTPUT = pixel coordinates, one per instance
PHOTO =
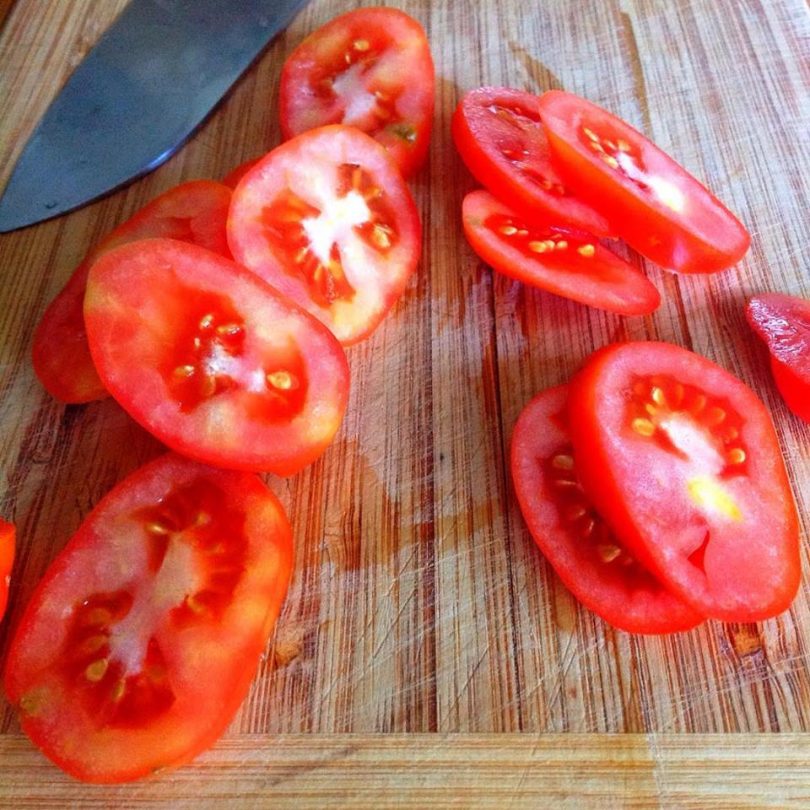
(655, 486)
(562, 174)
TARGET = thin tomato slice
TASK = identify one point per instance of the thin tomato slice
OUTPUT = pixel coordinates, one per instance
(142, 638)
(783, 322)
(682, 461)
(327, 219)
(652, 202)
(498, 134)
(192, 212)
(586, 555)
(555, 258)
(211, 360)
(371, 69)
(7, 545)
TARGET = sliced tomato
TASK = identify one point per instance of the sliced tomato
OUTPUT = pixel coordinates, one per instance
(652, 202)
(327, 219)
(555, 258)
(7, 544)
(371, 69)
(498, 134)
(586, 555)
(682, 461)
(235, 175)
(211, 360)
(192, 212)
(142, 638)
(783, 322)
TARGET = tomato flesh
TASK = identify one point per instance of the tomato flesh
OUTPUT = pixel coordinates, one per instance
(586, 555)
(682, 461)
(7, 547)
(371, 69)
(499, 135)
(142, 638)
(783, 322)
(193, 212)
(555, 258)
(213, 361)
(652, 202)
(326, 219)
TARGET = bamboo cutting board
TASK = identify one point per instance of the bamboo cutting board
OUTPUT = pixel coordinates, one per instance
(426, 652)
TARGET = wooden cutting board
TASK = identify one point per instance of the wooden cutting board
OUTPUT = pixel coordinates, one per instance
(426, 652)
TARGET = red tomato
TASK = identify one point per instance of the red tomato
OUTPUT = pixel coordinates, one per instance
(783, 322)
(653, 203)
(211, 360)
(681, 460)
(370, 69)
(142, 638)
(554, 257)
(192, 212)
(498, 133)
(7, 535)
(573, 537)
(235, 175)
(327, 219)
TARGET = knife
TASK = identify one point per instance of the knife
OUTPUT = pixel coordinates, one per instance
(148, 83)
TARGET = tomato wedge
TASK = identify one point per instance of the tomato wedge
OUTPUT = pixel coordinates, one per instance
(327, 219)
(498, 134)
(192, 212)
(7, 544)
(586, 555)
(652, 202)
(555, 258)
(211, 360)
(681, 460)
(370, 68)
(142, 638)
(783, 322)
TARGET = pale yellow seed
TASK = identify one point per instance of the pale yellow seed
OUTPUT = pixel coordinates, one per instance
(611, 161)
(562, 245)
(549, 243)
(730, 433)
(184, 371)
(361, 44)
(622, 145)
(96, 671)
(197, 343)
(643, 426)
(229, 329)
(576, 512)
(590, 134)
(282, 380)
(699, 403)
(207, 321)
(118, 691)
(651, 409)
(380, 96)
(736, 456)
(563, 462)
(153, 527)
(380, 237)
(301, 255)
(715, 416)
(194, 604)
(596, 146)
(586, 250)
(508, 230)
(608, 552)
(610, 145)
(538, 247)
(658, 397)
(522, 232)
(565, 483)
(209, 386)
(587, 529)
(372, 194)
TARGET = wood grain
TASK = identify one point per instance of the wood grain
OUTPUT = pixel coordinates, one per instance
(419, 603)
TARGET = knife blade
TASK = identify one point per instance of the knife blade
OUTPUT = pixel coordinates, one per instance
(148, 83)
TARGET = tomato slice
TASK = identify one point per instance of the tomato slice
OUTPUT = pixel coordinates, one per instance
(327, 219)
(682, 461)
(783, 322)
(233, 177)
(555, 258)
(653, 203)
(371, 69)
(192, 212)
(7, 544)
(498, 134)
(211, 360)
(142, 638)
(586, 555)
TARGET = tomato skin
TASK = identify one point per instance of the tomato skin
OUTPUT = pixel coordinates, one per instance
(195, 211)
(7, 547)
(783, 322)
(615, 588)
(300, 182)
(189, 344)
(488, 141)
(682, 461)
(394, 50)
(234, 176)
(653, 203)
(208, 656)
(599, 279)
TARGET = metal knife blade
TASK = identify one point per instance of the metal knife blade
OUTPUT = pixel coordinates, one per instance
(141, 91)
